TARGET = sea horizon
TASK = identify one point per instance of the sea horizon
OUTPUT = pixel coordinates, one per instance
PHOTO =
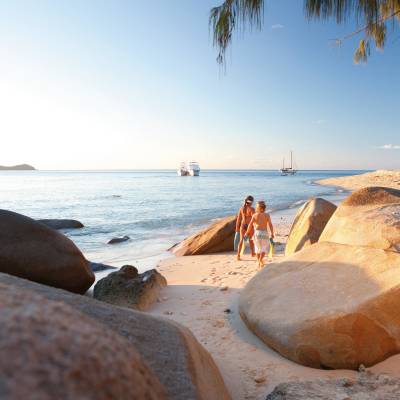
(155, 208)
(174, 169)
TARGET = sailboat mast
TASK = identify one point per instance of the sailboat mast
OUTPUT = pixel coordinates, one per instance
(291, 159)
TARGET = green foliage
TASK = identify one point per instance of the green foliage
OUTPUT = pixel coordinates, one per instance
(372, 17)
(231, 15)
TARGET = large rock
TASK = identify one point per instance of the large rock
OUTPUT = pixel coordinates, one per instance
(368, 217)
(33, 251)
(182, 365)
(51, 351)
(308, 224)
(128, 288)
(328, 306)
(61, 223)
(217, 238)
(367, 386)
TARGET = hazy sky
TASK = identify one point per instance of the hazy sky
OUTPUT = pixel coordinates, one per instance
(92, 84)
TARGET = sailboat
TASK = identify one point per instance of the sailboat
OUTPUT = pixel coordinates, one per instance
(285, 171)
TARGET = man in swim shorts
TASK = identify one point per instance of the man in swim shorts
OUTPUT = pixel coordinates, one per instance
(262, 223)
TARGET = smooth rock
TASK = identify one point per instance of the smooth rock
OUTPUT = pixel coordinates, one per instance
(216, 238)
(61, 223)
(181, 364)
(368, 217)
(308, 224)
(127, 288)
(33, 251)
(328, 306)
(366, 387)
(118, 240)
(98, 267)
(51, 351)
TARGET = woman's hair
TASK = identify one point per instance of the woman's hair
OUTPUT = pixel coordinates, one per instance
(261, 205)
(248, 198)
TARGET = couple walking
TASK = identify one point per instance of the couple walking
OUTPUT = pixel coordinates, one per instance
(254, 225)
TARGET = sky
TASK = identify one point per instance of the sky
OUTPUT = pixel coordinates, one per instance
(126, 84)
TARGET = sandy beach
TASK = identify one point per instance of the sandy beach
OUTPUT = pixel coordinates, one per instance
(203, 292)
(384, 178)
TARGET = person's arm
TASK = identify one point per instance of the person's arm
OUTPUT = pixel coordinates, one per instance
(250, 226)
(271, 227)
(238, 221)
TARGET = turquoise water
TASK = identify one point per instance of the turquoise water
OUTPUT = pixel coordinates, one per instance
(154, 208)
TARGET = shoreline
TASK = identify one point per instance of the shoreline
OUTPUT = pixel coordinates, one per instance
(385, 178)
(280, 215)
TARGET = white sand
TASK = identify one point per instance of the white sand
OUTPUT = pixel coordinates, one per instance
(194, 298)
(377, 178)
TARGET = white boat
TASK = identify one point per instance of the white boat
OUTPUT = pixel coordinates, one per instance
(194, 168)
(183, 170)
(189, 169)
(285, 171)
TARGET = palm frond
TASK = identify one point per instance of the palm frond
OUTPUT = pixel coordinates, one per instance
(372, 17)
(234, 15)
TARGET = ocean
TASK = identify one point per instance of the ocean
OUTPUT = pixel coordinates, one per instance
(156, 209)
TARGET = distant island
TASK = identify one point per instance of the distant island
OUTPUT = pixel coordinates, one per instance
(21, 167)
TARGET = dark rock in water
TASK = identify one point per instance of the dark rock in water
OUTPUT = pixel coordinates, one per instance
(98, 267)
(61, 223)
(118, 240)
(128, 288)
(181, 364)
(366, 386)
(51, 351)
(33, 251)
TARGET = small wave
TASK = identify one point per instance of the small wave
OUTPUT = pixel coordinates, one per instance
(297, 203)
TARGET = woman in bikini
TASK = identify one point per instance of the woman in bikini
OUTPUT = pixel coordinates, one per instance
(242, 224)
(262, 223)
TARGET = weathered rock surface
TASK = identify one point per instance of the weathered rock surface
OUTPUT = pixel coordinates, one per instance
(51, 351)
(367, 387)
(33, 251)
(118, 240)
(368, 217)
(127, 288)
(181, 364)
(98, 267)
(308, 224)
(61, 223)
(216, 238)
(328, 306)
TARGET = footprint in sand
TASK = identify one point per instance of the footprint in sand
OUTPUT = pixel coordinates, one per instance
(218, 324)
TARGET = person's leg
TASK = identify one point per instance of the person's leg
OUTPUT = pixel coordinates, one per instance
(253, 253)
(262, 255)
(242, 233)
(264, 245)
(257, 244)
